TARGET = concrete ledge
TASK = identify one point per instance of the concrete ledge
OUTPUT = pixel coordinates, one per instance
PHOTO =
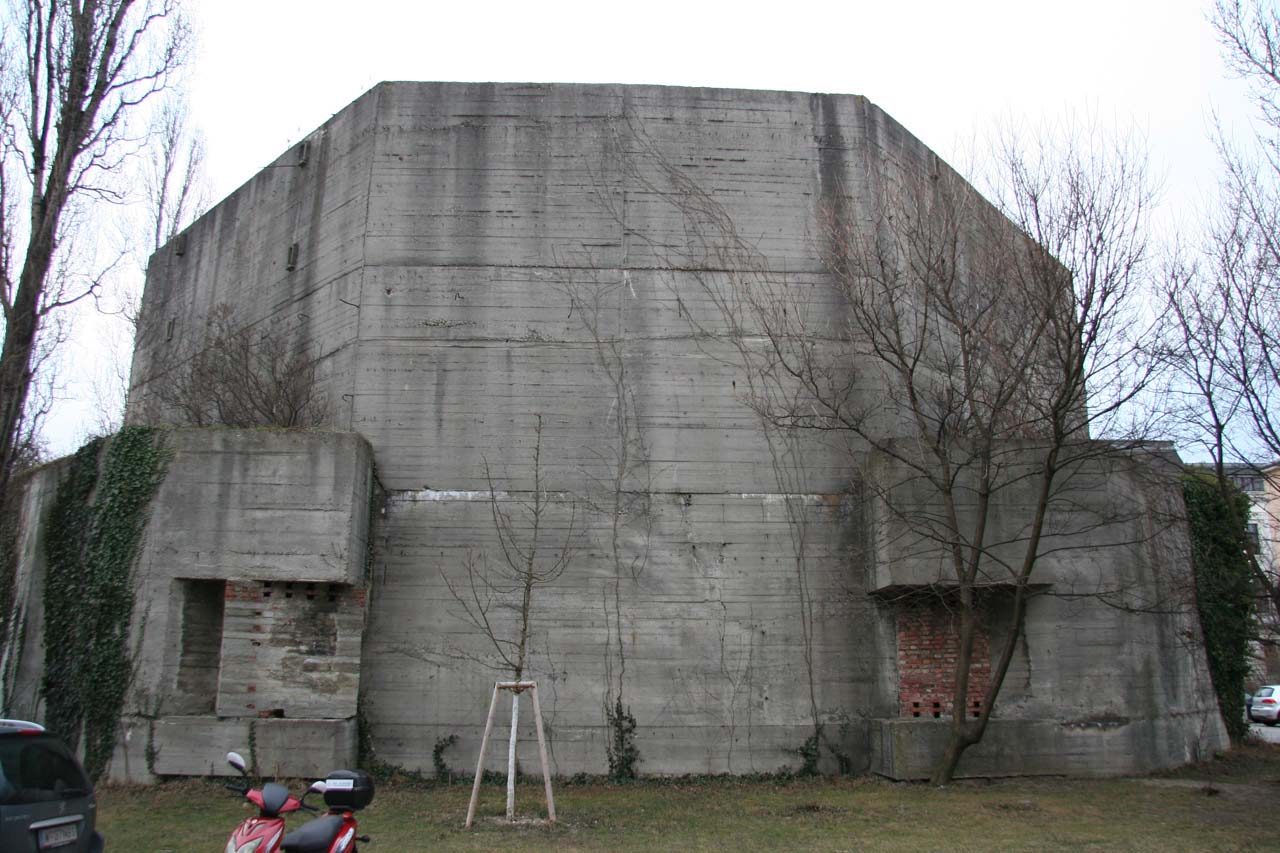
(1101, 502)
(906, 749)
(306, 748)
(263, 505)
(197, 746)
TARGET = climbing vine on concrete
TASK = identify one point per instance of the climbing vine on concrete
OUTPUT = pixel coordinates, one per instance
(624, 756)
(1225, 591)
(437, 757)
(94, 530)
(810, 753)
(64, 626)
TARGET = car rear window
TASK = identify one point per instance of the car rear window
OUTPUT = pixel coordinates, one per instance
(38, 768)
(1264, 692)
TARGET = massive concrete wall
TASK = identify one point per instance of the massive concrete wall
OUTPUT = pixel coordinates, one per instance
(470, 257)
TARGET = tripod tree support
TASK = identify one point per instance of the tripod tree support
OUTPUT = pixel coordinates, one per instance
(515, 688)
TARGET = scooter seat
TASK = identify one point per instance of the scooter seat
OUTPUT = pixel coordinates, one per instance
(313, 837)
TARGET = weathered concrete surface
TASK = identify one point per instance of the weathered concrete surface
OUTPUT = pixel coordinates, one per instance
(1107, 746)
(473, 255)
(277, 523)
(262, 505)
(250, 602)
(22, 669)
(712, 640)
(197, 746)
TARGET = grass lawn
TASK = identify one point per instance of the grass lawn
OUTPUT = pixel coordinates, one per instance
(1239, 809)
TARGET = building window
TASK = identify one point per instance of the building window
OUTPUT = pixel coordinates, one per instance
(1248, 484)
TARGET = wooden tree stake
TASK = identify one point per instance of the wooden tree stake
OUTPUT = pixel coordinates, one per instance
(516, 688)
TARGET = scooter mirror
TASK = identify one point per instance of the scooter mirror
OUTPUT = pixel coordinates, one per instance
(234, 759)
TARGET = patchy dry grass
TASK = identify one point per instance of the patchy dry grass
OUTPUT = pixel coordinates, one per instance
(1255, 761)
(1229, 804)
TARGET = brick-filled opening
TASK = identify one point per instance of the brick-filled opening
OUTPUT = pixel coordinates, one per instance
(291, 649)
(928, 648)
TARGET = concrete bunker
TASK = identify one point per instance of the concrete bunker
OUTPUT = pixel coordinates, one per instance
(462, 257)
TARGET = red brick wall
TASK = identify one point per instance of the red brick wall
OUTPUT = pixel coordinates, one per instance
(927, 650)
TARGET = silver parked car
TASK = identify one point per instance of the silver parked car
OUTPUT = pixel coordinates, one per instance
(46, 800)
(1265, 707)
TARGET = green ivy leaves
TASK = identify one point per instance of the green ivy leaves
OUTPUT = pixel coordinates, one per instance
(92, 538)
(66, 531)
(621, 750)
(1225, 591)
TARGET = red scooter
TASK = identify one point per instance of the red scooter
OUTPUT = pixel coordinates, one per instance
(265, 832)
(344, 791)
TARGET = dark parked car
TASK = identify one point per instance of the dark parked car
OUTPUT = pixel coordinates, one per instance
(46, 800)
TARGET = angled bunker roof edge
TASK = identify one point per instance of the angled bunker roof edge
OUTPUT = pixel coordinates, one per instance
(861, 102)
(568, 84)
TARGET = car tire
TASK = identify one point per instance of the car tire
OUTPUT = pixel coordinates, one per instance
(1272, 722)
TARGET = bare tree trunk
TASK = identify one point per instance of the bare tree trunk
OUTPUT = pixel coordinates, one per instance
(511, 754)
(85, 69)
(15, 371)
(521, 570)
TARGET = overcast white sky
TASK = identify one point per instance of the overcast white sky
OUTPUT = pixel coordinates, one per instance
(267, 72)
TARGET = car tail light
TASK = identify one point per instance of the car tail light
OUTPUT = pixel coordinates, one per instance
(1268, 701)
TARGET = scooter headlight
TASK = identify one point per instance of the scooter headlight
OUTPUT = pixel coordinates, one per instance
(247, 847)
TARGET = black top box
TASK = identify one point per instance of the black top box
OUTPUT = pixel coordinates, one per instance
(348, 789)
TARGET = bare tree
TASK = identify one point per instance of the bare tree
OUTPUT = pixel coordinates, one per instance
(1232, 303)
(173, 193)
(172, 175)
(1050, 350)
(73, 75)
(962, 361)
(1002, 353)
(1215, 399)
(1222, 346)
(527, 563)
(243, 376)
(497, 597)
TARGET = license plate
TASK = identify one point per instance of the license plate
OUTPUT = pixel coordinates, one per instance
(58, 836)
